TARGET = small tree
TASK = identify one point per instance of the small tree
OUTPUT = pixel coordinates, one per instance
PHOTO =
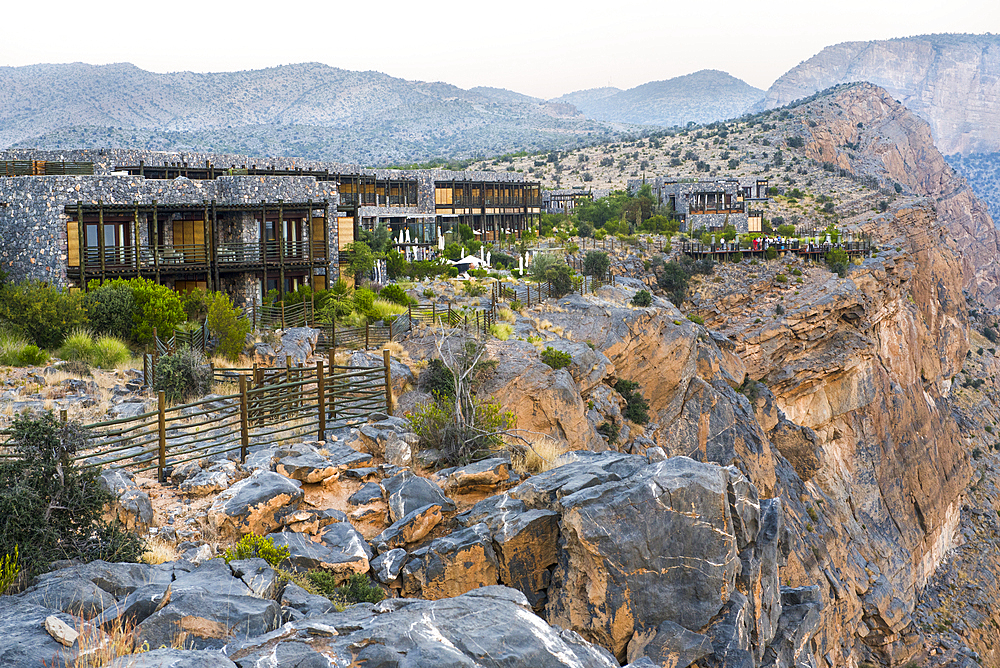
(110, 309)
(362, 260)
(596, 263)
(225, 323)
(183, 374)
(459, 424)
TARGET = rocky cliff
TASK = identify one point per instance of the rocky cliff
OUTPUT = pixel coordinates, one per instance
(951, 81)
(862, 129)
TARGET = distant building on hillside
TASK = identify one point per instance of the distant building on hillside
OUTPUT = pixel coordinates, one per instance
(565, 200)
(709, 203)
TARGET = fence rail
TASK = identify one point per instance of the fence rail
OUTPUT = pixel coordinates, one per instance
(271, 403)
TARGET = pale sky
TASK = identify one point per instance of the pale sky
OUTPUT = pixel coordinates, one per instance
(533, 47)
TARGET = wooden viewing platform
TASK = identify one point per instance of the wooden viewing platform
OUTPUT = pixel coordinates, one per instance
(808, 250)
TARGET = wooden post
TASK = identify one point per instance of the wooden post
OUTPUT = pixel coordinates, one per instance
(282, 311)
(366, 335)
(409, 308)
(161, 405)
(388, 382)
(321, 400)
(244, 421)
(100, 236)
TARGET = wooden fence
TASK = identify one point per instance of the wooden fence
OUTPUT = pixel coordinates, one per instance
(271, 404)
(535, 293)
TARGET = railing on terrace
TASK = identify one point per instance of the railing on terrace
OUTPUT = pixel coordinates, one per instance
(305, 402)
(801, 247)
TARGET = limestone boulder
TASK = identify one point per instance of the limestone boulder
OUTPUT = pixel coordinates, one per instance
(259, 504)
(131, 506)
(174, 658)
(406, 491)
(588, 366)
(451, 565)
(298, 344)
(200, 619)
(24, 641)
(402, 377)
(409, 528)
(491, 627)
(483, 476)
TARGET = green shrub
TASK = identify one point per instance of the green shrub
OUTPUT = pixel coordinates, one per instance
(838, 261)
(610, 430)
(358, 588)
(473, 289)
(636, 406)
(501, 330)
(363, 300)
(673, 278)
(226, 325)
(556, 359)
(16, 350)
(395, 294)
(596, 263)
(41, 313)
(195, 304)
(779, 310)
(642, 298)
(781, 278)
(155, 306)
(183, 375)
(438, 380)
(771, 253)
(111, 309)
(478, 273)
(50, 508)
(796, 272)
(9, 570)
(109, 352)
(480, 437)
(105, 353)
(428, 293)
(252, 546)
(560, 279)
(516, 305)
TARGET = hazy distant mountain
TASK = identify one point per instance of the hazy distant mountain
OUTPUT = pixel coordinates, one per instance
(951, 81)
(309, 110)
(702, 97)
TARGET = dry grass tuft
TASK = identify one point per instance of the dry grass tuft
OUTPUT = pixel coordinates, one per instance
(158, 551)
(540, 455)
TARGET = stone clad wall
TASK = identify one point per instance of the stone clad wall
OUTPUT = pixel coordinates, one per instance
(33, 239)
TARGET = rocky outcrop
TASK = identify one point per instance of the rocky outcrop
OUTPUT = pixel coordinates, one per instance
(491, 627)
(951, 81)
(894, 146)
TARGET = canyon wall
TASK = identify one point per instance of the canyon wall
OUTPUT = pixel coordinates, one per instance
(951, 81)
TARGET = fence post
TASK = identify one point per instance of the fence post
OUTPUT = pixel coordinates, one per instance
(388, 382)
(409, 308)
(244, 421)
(321, 400)
(161, 402)
(434, 315)
(449, 314)
(366, 335)
(283, 314)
